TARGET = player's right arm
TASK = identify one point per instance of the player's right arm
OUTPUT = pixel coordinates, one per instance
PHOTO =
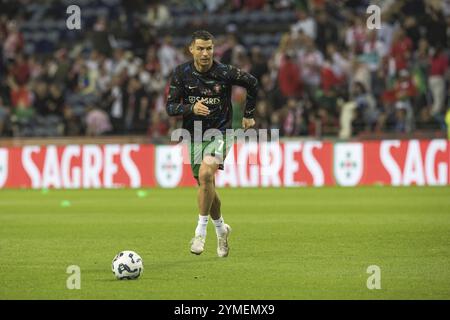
(175, 107)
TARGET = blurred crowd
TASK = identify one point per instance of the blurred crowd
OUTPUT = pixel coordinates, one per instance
(329, 76)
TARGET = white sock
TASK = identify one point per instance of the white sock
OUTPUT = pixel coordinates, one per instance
(220, 226)
(201, 226)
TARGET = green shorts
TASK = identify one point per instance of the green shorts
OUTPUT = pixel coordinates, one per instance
(217, 148)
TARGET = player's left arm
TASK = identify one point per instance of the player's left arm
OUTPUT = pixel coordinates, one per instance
(250, 83)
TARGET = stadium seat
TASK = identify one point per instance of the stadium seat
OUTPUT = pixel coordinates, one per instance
(264, 39)
(256, 17)
(29, 48)
(250, 40)
(224, 19)
(288, 16)
(181, 21)
(239, 18)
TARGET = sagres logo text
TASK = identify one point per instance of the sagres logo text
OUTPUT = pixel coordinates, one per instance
(194, 99)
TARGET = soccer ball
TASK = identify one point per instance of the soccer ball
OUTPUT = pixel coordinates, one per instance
(127, 265)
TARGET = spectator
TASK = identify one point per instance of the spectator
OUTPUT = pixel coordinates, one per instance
(401, 50)
(356, 35)
(87, 80)
(360, 73)
(132, 98)
(420, 66)
(386, 32)
(55, 100)
(14, 41)
(404, 91)
(22, 110)
(435, 22)
(262, 114)
(374, 51)
(330, 79)
(367, 113)
(436, 79)
(340, 64)
(152, 63)
(358, 113)
(156, 83)
(311, 61)
(270, 91)
(72, 122)
(327, 31)
(131, 8)
(168, 57)
(36, 68)
(117, 108)
(293, 121)
(275, 121)
(158, 15)
(4, 116)
(104, 78)
(289, 80)
(41, 99)
(233, 47)
(101, 36)
(159, 126)
(259, 64)
(20, 70)
(21, 96)
(286, 45)
(141, 116)
(97, 122)
(305, 24)
(412, 30)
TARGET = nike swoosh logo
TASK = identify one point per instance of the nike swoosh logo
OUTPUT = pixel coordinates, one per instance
(192, 87)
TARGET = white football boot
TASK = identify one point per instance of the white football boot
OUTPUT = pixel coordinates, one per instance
(222, 243)
(197, 245)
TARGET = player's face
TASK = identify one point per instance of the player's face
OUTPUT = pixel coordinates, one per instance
(202, 52)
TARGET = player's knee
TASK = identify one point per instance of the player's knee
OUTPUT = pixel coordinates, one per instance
(206, 174)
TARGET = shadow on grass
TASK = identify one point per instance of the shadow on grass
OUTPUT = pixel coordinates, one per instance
(156, 268)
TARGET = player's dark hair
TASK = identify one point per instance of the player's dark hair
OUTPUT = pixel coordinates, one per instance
(201, 34)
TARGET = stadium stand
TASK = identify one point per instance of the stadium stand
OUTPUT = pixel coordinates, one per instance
(322, 72)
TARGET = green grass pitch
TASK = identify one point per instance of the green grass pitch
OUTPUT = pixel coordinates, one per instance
(291, 243)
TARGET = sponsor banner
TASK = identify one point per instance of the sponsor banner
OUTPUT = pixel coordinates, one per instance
(392, 162)
(348, 163)
(169, 165)
(81, 166)
(293, 163)
(3, 166)
(407, 163)
(286, 164)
